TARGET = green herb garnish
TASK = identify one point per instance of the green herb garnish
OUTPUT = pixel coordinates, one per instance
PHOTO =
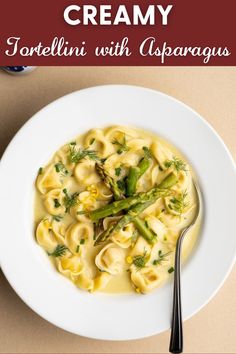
(140, 260)
(171, 270)
(147, 152)
(82, 241)
(57, 217)
(122, 146)
(61, 168)
(77, 249)
(81, 212)
(76, 155)
(56, 203)
(179, 202)
(59, 251)
(121, 185)
(162, 257)
(40, 171)
(177, 163)
(70, 200)
(92, 141)
(117, 171)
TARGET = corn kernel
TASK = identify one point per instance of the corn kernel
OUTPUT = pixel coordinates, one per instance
(129, 259)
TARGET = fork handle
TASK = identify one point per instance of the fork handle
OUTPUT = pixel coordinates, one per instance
(176, 339)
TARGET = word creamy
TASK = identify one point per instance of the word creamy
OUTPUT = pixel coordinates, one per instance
(103, 15)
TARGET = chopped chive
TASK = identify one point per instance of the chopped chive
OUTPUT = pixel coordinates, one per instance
(81, 212)
(57, 217)
(60, 167)
(92, 141)
(82, 241)
(73, 143)
(146, 223)
(171, 270)
(77, 249)
(59, 251)
(117, 171)
(40, 171)
(56, 203)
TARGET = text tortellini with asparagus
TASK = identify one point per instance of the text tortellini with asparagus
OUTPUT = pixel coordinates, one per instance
(110, 206)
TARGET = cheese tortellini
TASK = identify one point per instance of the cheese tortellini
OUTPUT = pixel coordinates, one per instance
(110, 206)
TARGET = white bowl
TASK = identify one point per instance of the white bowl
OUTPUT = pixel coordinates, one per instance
(25, 264)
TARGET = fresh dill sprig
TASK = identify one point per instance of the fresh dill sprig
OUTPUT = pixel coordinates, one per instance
(179, 203)
(162, 257)
(140, 260)
(61, 168)
(76, 155)
(59, 251)
(122, 146)
(176, 163)
(70, 200)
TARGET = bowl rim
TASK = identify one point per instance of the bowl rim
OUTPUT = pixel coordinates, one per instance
(95, 88)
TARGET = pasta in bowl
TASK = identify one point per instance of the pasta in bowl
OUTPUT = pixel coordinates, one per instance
(110, 206)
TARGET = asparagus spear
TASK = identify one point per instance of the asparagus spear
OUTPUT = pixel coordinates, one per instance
(132, 213)
(169, 181)
(118, 205)
(109, 182)
(115, 207)
(136, 172)
(132, 179)
(137, 205)
(144, 230)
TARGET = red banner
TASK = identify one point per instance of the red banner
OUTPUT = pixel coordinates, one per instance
(161, 32)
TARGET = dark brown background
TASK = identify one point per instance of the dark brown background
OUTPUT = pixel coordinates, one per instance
(191, 23)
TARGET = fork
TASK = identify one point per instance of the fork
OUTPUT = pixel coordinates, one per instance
(176, 338)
